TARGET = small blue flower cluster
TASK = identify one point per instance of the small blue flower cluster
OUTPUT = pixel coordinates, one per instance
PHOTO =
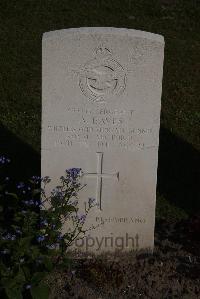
(46, 179)
(20, 185)
(73, 173)
(31, 202)
(59, 237)
(43, 222)
(36, 179)
(5, 251)
(91, 201)
(4, 160)
(23, 188)
(9, 236)
(57, 192)
(40, 238)
(81, 218)
(53, 246)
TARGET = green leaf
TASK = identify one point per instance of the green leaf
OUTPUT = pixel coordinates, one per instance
(68, 208)
(66, 261)
(3, 269)
(34, 250)
(13, 293)
(37, 277)
(8, 283)
(37, 191)
(2, 187)
(48, 263)
(41, 291)
(26, 271)
(25, 241)
(13, 195)
(20, 278)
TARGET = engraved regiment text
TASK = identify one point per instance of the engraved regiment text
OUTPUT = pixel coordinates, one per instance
(101, 129)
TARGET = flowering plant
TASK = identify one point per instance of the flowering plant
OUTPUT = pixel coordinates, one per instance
(31, 240)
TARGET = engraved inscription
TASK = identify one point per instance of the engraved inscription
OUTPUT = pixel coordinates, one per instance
(102, 77)
(103, 129)
(135, 220)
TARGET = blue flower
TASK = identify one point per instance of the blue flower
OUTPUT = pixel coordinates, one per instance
(40, 238)
(59, 237)
(9, 237)
(81, 218)
(4, 160)
(5, 251)
(28, 287)
(53, 246)
(29, 202)
(44, 222)
(38, 203)
(57, 192)
(91, 201)
(73, 173)
(20, 185)
(36, 179)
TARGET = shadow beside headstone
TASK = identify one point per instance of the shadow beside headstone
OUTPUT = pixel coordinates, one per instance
(178, 171)
(25, 162)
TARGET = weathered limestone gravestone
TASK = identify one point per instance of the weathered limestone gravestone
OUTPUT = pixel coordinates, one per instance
(101, 100)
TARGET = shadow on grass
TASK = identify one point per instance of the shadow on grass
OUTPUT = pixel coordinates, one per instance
(178, 172)
(25, 162)
(178, 167)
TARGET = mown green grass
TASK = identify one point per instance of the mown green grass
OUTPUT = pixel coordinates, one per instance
(23, 22)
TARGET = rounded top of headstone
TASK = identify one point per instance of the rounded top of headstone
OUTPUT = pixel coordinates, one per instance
(105, 30)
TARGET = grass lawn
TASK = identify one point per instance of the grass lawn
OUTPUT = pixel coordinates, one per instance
(22, 24)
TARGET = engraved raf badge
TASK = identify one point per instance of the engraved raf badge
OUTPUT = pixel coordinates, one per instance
(102, 77)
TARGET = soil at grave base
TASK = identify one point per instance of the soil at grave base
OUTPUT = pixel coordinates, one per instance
(173, 271)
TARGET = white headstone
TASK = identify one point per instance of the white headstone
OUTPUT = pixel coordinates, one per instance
(101, 100)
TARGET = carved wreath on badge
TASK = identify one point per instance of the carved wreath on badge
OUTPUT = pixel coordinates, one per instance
(102, 77)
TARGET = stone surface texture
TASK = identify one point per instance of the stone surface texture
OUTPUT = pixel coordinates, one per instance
(101, 101)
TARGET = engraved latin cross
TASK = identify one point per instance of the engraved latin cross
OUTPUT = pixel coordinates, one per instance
(99, 175)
